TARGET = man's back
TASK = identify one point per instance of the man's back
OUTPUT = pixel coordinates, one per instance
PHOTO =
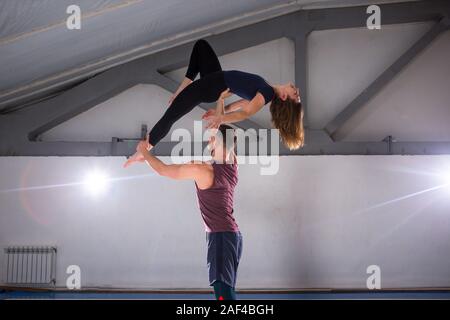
(216, 202)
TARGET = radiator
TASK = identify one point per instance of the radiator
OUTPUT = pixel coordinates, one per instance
(30, 266)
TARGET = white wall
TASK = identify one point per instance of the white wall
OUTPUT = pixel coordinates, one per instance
(311, 225)
(343, 62)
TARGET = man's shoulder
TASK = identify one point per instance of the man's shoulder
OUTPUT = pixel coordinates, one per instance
(206, 165)
(199, 162)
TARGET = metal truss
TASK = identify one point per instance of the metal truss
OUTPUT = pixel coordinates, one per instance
(20, 131)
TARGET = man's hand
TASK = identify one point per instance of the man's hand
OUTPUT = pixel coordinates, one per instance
(225, 94)
(210, 112)
(142, 147)
(214, 121)
(214, 116)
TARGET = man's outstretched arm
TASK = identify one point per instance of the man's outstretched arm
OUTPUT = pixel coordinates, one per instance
(193, 171)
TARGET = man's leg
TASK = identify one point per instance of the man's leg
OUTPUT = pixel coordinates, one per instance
(224, 251)
(223, 291)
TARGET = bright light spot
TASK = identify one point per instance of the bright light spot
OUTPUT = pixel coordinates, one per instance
(96, 182)
(446, 178)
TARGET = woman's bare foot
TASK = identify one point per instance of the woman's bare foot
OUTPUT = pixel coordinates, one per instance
(137, 156)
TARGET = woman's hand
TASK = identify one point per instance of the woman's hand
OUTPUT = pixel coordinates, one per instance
(214, 116)
(210, 112)
(225, 94)
(214, 121)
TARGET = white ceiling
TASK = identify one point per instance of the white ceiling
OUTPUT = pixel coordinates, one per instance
(36, 48)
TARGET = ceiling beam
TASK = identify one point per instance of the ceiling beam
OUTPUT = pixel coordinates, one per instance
(317, 143)
(392, 13)
(383, 79)
(10, 98)
(48, 114)
(316, 19)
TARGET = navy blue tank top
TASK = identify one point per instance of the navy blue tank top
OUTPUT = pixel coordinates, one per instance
(247, 85)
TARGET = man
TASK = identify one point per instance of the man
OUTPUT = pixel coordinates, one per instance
(215, 182)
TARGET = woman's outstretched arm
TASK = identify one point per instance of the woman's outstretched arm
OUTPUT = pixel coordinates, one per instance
(220, 107)
(234, 106)
(237, 105)
(247, 110)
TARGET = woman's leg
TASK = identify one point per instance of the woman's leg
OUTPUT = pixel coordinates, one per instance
(182, 104)
(206, 89)
(203, 60)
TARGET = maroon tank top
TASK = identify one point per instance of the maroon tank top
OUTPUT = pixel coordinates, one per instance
(216, 202)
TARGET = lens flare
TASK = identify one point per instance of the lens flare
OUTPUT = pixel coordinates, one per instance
(446, 178)
(96, 182)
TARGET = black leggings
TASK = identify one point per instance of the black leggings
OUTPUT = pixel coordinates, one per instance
(206, 89)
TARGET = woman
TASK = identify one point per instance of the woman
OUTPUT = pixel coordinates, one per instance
(286, 108)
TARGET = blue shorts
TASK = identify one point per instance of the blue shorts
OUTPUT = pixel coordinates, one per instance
(224, 254)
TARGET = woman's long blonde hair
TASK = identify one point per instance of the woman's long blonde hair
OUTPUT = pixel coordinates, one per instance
(287, 117)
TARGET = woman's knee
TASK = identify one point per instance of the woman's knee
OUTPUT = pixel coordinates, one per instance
(201, 42)
(202, 45)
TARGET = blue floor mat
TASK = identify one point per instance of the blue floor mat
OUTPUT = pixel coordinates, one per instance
(240, 296)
